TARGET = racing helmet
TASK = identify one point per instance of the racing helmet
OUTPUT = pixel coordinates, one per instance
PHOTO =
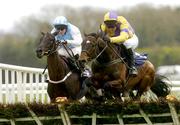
(60, 23)
(110, 19)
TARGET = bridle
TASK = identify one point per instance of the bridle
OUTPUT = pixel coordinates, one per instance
(53, 49)
(107, 44)
(94, 45)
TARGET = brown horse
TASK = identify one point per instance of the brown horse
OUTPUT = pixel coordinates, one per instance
(64, 82)
(110, 71)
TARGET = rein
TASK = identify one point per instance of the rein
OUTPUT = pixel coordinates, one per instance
(51, 51)
(101, 52)
(66, 48)
(109, 63)
(122, 60)
(126, 82)
(119, 60)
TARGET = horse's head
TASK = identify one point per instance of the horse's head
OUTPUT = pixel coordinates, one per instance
(46, 45)
(93, 46)
(88, 47)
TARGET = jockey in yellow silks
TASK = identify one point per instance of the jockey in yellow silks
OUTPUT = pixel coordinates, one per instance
(120, 31)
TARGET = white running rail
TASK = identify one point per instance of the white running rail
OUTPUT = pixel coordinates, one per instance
(25, 84)
(22, 84)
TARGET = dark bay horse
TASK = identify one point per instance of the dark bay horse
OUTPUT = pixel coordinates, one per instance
(109, 70)
(63, 82)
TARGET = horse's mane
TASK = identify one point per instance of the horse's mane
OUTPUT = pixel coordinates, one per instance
(100, 34)
(91, 34)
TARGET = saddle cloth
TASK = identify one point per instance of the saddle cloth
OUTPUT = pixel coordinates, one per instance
(140, 59)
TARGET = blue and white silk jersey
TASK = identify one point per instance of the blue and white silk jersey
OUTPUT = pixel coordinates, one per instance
(73, 38)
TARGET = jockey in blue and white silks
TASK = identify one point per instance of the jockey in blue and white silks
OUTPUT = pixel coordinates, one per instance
(65, 31)
(70, 34)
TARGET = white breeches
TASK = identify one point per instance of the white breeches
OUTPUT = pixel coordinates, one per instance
(132, 42)
(76, 50)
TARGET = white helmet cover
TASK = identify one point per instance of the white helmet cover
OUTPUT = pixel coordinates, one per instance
(60, 20)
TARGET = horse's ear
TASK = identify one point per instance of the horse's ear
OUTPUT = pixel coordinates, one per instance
(42, 33)
(101, 33)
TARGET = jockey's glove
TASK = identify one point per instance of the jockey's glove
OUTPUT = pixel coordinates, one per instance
(106, 38)
(64, 42)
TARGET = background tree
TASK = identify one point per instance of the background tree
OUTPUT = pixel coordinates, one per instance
(158, 30)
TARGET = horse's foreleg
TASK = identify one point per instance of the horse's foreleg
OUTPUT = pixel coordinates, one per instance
(144, 86)
(50, 91)
(114, 87)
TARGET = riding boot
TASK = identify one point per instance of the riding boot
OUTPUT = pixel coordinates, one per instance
(72, 64)
(86, 77)
(86, 72)
(131, 62)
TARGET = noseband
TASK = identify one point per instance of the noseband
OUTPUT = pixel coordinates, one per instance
(53, 49)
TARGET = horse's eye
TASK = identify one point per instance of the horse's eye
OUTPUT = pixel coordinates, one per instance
(51, 41)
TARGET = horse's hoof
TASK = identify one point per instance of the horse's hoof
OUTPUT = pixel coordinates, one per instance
(171, 98)
(61, 100)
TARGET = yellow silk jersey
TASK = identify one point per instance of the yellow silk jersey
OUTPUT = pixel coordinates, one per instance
(121, 32)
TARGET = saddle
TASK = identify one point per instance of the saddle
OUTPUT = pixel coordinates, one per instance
(140, 59)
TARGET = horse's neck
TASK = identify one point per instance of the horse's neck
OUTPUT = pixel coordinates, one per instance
(57, 68)
(105, 57)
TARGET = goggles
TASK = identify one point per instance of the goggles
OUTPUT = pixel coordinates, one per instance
(110, 24)
(60, 27)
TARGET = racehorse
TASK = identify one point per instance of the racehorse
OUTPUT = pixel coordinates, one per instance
(110, 71)
(63, 81)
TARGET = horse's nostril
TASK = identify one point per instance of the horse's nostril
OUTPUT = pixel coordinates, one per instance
(39, 53)
(39, 50)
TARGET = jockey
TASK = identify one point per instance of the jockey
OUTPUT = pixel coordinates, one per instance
(120, 31)
(66, 32)
(71, 36)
